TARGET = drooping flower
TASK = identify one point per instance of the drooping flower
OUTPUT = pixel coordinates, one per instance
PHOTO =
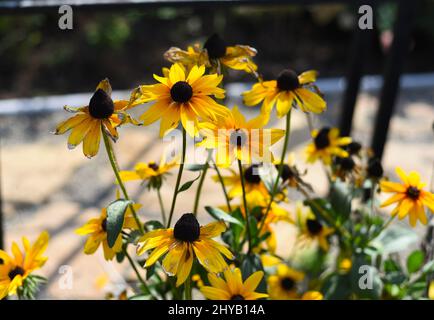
(96, 230)
(287, 90)
(283, 285)
(410, 197)
(214, 53)
(102, 113)
(184, 242)
(150, 172)
(181, 96)
(16, 268)
(312, 295)
(233, 287)
(236, 138)
(252, 182)
(326, 144)
(311, 229)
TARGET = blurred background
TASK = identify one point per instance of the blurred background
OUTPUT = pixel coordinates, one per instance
(45, 186)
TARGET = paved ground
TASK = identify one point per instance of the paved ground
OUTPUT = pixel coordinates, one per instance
(47, 187)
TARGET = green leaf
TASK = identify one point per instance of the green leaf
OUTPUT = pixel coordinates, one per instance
(393, 239)
(415, 261)
(188, 184)
(195, 167)
(340, 199)
(219, 214)
(251, 264)
(428, 268)
(336, 287)
(115, 219)
(154, 225)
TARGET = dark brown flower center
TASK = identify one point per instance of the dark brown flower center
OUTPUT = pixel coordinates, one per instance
(237, 297)
(353, 148)
(101, 105)
(287, 283)
(181, 92)
(251, 174)
(215, 46)
(287, 172)
(313, 226)
(413, 192)
(322, 140)
(287, 80)
(104, 225)
(346, 164)
(375, 169)
(153, 166)
(187, 228)
(238, 137)
(17, 271)
(1, 261)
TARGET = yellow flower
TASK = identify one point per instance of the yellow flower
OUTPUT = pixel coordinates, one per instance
(410, 196)
(311, 228)
(96, 230)
(15, 269)
(186, 240)
(312, 295)
(215, 53)
(431, 290)
(102, 113)
(269, 260)
(252, 182)
(152, 172)
(345, 265)
(283, 284)
(326, 144)
(181, 97)
(287, 90)
(233, 288)
(235, 138)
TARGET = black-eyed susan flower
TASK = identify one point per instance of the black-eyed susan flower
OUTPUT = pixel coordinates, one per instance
(14, 269)
(287, 90)
(283, 285)
(214, 53)
(252, 182)
(184, 242)
(326, 144)
(233, 287)
(102, 113)
(374, 169)
(291, 176)
(153, 173)
(410, 197)
(236, 138)
(181, 96)
(311, 229)
(96, 231)
(344, 168)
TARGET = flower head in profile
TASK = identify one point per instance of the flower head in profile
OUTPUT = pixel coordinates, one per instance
(232, 287)
(326, 144)
(409, 196)
(287, 90)
(153, 173)
(236, 138)
(214, 54)
(96, 231)
(184, 242)
(15, 269)
(312, 229)
(182, 96)
(252, 182)
(283, 285)
(102, 113)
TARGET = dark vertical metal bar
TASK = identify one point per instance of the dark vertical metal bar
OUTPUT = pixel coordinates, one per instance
(392, 73)
(353, 78)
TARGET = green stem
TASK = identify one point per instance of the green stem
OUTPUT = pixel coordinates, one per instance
(199, 188)
(163, 212)
(113, 162)
(225, 192)
(187, 289)
(282, 162)
(246, 210)
(178, 180)
(142, 281)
